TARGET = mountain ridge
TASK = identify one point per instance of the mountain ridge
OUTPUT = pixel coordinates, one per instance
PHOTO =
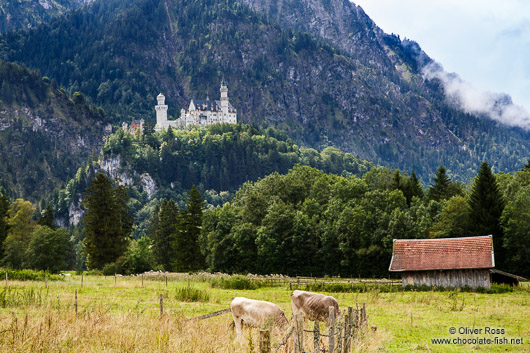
(376, 105)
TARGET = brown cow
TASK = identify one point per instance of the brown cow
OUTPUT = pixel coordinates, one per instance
(314, 306)
(256, 313)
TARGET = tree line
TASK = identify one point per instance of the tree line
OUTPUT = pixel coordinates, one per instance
(304, 222)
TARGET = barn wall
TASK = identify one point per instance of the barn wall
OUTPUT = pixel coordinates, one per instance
(447, 278)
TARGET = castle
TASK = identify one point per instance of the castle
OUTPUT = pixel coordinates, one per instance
(200, 112)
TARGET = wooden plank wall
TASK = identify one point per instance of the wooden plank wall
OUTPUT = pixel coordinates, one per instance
(448, 278)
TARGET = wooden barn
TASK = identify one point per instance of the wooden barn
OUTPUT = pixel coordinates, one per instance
(447, 262)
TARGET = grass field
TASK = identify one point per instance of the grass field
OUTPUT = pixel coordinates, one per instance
(125, 317)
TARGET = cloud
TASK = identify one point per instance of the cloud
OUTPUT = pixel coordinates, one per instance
(497, 106)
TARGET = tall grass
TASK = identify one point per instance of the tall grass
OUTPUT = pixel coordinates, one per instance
(28, 275)
(235, 282)
(191, 294)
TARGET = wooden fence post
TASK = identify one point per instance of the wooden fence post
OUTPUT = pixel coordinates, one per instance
(161, 305)
(76, 303)
(298, 333)
(340, 328)
(166, 281)
(331, 329)
(363, 315)
(316, 338)
(46, 281)
(142, 280)
(349, 329)
(264, 341)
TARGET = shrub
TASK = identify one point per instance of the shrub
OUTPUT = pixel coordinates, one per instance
(234, 282)
(190, 294)
(28, 275)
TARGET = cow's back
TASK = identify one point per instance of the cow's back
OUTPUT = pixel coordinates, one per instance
(314, 306)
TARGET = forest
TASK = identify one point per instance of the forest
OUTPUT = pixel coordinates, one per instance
(320, 214)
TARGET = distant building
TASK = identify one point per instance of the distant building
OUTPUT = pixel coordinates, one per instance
(135, 124)
(448, 262)
(200, 112)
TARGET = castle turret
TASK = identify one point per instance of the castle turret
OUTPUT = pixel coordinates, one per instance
(224, 99)
(161, 112)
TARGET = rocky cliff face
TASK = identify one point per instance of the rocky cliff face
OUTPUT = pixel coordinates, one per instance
(44, 135)
(26, 14)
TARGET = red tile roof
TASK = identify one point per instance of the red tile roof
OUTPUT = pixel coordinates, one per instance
(442, 254)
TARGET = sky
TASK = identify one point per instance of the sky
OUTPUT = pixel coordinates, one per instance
(486, 42)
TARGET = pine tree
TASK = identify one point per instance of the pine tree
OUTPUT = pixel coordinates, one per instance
(107, 222)
(163, 233)
(487, 203)
(439, 189)
(188, 256)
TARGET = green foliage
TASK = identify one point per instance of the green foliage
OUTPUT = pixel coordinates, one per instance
(454, 220)
(107, 222)
(516, 229)
(47, 218)
(443, 188)
(4, 207)
(28, 275)
(49, 250)
(163, 229)
(486, 204)
(12, 298)
(186, 239)
(191, 294)
(138, 258)
(308, 222)
(21, 226)
(238, 282)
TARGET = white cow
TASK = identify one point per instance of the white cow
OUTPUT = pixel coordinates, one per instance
(256, 313)
(314, 306)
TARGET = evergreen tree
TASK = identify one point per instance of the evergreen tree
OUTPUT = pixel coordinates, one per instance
(412, 188)
(47, 218)
(107, 223)
(439, 189)
(4, 207)
(163, 225)
(188, 256)
(486, 204)
(443, 188)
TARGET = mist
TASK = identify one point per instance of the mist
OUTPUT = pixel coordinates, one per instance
(497, 106)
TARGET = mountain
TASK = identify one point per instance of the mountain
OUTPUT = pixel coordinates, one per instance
(44, 134)
(17, 14)
(321, 71)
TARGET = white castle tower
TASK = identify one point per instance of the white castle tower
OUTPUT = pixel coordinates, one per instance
(224, 99)
(161, 113)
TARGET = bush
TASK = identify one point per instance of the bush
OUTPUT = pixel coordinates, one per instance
(190, 294)
(110, 269)
(234, 282)
(28, 275)
(500, 288)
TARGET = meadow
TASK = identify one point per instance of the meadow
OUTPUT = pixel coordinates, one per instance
(122, 314)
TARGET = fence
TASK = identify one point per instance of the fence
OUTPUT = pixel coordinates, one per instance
(341, 334)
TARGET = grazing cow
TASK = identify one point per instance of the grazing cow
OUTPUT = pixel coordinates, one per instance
(256, 313)
(314, 306)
